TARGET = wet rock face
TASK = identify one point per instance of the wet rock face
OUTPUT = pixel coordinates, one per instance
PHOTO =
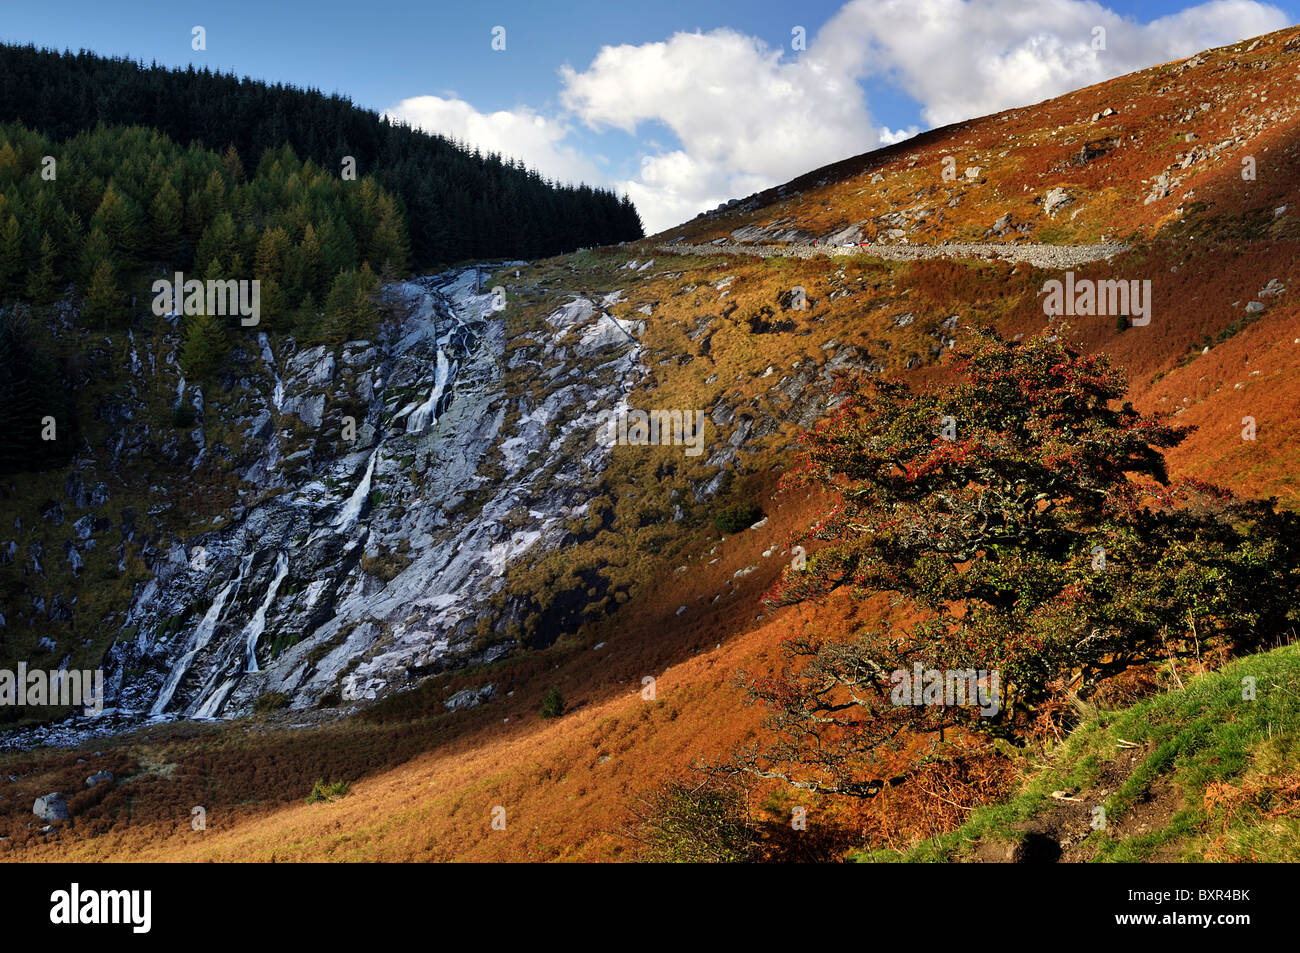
(309, 582)
(396, 483)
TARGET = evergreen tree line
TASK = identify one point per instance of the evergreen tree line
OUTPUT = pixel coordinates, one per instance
(459, 204)
(33, 400)
(108, 212)
(118, 208)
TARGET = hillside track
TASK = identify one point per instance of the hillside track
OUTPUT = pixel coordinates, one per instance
(1040, 256)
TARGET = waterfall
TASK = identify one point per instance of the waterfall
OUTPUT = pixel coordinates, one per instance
(210, 700)
(277, 395)
(257, 625)
(423, 415)
(201, 636)
(347, 517)
(213, 702)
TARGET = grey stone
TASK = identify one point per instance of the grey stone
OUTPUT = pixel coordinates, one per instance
(99, 777)
(51, 807)
(470, 698)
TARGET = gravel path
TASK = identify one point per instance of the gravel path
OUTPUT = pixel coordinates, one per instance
(1042, 256)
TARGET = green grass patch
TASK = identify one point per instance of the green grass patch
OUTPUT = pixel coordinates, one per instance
(1228, 744)
(328, 791)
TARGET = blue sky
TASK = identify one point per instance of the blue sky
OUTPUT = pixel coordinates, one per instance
(682, 105)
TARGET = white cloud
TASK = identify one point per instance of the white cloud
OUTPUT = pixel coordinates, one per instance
(747, 116)
(890, 136)
(967, 58)
(520, 133)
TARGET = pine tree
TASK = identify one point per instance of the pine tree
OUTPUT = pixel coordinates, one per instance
(454, 199)
(336, 327)
(95, 250)
(307, 327)
(273, 302)
(365, 308)
(205, 346)
(199, 211)
(217, 244)
(312, 275)
(43, 284)
(213, 270)
(234, 167)
(388, 247)
(10, 167)
(166, 219)
(117, 217)
(105, 302)
(272, 250)
(11, 258)
(338, 247)
(215, 189)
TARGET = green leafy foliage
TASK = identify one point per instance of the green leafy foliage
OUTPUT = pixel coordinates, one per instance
(328, 791)
(704, 822)
(552, 704)
(204, 347)
(736, 518)
(129, 206)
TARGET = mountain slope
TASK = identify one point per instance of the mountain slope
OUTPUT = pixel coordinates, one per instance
(1120, 159)
(640, 583)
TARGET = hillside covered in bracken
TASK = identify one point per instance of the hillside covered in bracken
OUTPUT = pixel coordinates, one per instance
(672, 651)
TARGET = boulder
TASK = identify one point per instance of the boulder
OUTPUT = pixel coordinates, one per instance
(470, 698)
(1056, 199)
(52, 807)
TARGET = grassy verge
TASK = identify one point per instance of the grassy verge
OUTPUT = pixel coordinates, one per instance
(1209, 772)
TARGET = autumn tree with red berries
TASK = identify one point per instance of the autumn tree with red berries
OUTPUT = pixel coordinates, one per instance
(1023, 512)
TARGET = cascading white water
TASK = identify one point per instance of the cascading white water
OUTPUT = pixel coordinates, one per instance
(277, 394)
(212, 699)
(213, 702)
(423, 415)
(201, 636)
(257, 625)
(209, 670)
(351, 511)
